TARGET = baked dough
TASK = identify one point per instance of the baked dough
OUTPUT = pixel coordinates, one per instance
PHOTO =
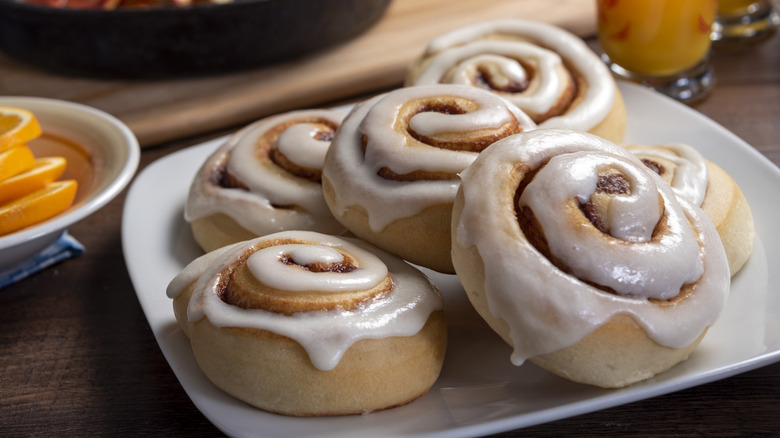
(391, 173)
(305, 324)
(265, 178)
(584, 260)
(548, 72)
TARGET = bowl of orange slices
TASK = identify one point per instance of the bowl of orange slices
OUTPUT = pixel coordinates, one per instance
(60, 162)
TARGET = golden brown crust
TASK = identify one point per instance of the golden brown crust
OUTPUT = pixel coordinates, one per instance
(180, 304)
(613, 127)
(618, 354)
(274, 373)
(218, 230)
(728, 208)
(423, 239)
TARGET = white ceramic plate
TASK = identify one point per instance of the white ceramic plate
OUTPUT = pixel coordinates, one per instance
(479, 391)
(102, 154)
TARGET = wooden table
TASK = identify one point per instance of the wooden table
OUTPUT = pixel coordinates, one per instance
(77, 356)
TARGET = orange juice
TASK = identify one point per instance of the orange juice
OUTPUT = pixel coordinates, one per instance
(82, 165)
(655, 37)
(734, 7)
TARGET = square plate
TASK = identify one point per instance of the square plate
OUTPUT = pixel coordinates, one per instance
(479, 392)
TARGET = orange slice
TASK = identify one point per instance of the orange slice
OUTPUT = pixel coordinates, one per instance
(37, 206)
(44, 171)
(15, 161)
(17, 126)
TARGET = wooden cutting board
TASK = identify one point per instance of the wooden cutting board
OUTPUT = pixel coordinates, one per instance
(159, 111)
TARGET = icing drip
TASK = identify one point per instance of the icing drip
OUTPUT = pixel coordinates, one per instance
(272, 199)
(379, 134)
(510, 47)
(325, 335)
(548, 309)
(689, 168)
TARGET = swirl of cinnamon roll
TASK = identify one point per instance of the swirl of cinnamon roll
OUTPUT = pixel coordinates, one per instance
(546, 71)
(265, 178)
(392, 171)
(584, 260)
(707, 185)
(302, 323)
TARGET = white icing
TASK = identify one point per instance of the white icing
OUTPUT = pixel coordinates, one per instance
(193, 270)
(504, 73)
(325, 335)
(307, 255)
(266, 266)
(300, 145)
(353, 173)
(690, 171)
(458, 64)
(657, 270)
(270, 186)
(547, 309)
(451, 55)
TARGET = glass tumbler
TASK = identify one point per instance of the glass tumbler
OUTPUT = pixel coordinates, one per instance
(663, 44)
(741, 22)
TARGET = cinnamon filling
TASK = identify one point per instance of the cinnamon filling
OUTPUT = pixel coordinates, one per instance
(565, 102)
(325, 131)
(654, 166)
(222, 178)
(610, 184)
(281, 160)
(484, 79)
(613, 184)
(475, 141)
(417, 175)
(321, 267)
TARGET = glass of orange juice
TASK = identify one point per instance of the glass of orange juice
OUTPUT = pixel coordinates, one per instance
(742, 22)
(663, 44)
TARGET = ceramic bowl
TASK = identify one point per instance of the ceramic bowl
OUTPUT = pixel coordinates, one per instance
(102, 154)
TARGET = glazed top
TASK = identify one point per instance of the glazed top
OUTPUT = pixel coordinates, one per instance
(516, 51)
(272, 198)
(548, 308)
(324, 334)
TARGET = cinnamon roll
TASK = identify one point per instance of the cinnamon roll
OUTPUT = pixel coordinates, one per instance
(305, 324)
(584, 260)
(546, 71)
(391, 173)
(704, 183)
(265, 178)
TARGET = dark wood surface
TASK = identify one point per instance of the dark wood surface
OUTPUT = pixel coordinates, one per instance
(77, 357)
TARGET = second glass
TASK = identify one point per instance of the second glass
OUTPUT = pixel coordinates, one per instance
(741, 22)
(663, 44)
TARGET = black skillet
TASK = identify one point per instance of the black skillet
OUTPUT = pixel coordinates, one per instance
(178, 42)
